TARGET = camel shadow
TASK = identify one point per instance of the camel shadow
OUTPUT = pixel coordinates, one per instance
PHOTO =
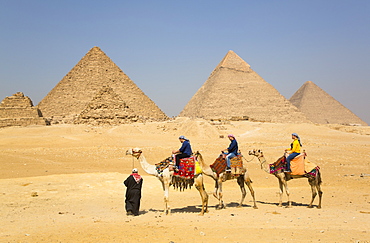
(187, 209)
(236, 205)
(285, 204)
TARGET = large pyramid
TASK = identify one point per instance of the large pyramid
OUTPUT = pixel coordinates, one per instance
(320, 107)
(235, 91)
(77, 89)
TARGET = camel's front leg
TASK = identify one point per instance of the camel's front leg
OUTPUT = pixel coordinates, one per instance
(221, 204)
(281, 191)
(166, 189)
(240, 181)
(287, 193)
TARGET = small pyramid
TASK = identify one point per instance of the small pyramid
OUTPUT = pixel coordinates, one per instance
(320, 107)
(106, 108)
(18, 110)
(234, 91)
(66, 101)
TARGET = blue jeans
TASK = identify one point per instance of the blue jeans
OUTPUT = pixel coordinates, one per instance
(289, 158)
(228, 157)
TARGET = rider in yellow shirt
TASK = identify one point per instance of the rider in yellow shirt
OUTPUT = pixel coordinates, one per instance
(295, 149)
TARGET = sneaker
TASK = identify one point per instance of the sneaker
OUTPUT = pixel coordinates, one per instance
(129, 213)
(287, 171)
(228, 169)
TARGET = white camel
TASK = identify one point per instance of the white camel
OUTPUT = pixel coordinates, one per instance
(219, 179)
(314, 181)
(166, 177)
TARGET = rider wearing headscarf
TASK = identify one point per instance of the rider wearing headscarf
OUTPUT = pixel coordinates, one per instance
(183, 152)
(232, 150)
(294, 150)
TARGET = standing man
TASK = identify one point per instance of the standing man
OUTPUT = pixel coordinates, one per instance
(183, 152)
(133, 193)
(232, 151)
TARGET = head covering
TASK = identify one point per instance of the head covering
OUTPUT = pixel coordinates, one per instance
(230, 135)
(183, 137)
(134, 170)
(299, 139)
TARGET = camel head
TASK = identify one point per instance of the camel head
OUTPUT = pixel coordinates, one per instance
(257, 153)
(135, 152)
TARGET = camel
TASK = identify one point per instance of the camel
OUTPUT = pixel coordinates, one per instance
(314, 181)
(219, 179)
(166, 177)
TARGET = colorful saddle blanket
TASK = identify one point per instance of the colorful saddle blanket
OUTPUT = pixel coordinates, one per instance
(299, 166)
(186, 168)
(236, 165)
(164, 164)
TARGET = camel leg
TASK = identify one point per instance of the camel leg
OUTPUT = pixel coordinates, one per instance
(315, 184)
(248, 182)
(221, 204)
(240, 181)
(166, 187)
(287, 193)
(200, 187)
(313, 191)
(281, 191)
(215, 192)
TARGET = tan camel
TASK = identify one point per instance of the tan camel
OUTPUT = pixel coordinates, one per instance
(219, 179)
(314, 181)
(166, 177)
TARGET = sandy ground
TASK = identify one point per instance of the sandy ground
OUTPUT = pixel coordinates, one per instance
(64, 184)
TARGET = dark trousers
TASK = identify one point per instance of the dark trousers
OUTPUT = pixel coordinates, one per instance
(180, 156)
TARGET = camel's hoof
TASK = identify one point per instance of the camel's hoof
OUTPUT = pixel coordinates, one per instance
(309, 206)
(319, 207)
(289, 206)
(201, 214)
(280, 205)
(255, 207)
(239, 206)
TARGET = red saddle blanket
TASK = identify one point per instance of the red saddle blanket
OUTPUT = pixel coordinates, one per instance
(186, 168)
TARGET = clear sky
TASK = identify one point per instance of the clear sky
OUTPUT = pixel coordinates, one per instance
(169, 48)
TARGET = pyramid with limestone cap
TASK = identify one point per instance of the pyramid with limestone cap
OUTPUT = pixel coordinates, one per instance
(320, 107)
(235, 91)
(77, 89)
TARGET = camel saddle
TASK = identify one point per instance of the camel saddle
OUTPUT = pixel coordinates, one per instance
(236, 163)
(186, 168)
(299, 166)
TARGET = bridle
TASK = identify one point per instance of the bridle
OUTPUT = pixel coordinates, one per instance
(136, 153)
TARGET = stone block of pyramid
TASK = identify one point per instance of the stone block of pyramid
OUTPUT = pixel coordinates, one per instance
(234, 91)
(106, 107)
(76, 90)
(321, 108)
(18, 110)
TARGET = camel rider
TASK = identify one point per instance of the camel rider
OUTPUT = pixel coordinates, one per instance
(295, 149)
(231, 151)
(183, 152)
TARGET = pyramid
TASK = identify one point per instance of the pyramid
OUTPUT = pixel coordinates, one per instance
(106, 108)
(18, 110)
(320, 107)
(234, 91)
(78, 88)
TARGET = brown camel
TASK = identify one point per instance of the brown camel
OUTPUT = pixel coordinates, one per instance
(219, 179)
(314, 181)
(166, 178)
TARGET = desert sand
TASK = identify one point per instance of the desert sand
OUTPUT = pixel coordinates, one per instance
(63, 183)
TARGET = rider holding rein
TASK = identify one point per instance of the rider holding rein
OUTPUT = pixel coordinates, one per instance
(295, 149)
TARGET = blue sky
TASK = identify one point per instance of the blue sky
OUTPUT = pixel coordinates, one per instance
(169, 48)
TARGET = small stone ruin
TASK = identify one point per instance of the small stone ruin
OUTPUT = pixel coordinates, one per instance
(18, 110)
